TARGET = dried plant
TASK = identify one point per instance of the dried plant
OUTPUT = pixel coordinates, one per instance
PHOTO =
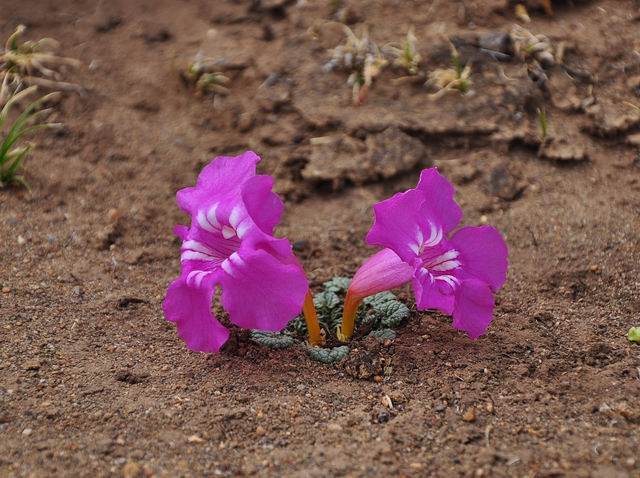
(532, 47)
(449, 79)
(405, 56)
(27, 63)
(362, 58)
(204, 74)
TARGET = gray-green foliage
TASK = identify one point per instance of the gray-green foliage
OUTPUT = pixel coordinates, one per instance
(380, 311)
(333, 355)
(378, 314)
(383, 334)
(337, 285)
(272, 340)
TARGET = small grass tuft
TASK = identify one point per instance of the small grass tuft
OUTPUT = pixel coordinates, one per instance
(28, 121)
(543, 123)
(458, 77)
(204, 74)
(360, 56)
(406, 57)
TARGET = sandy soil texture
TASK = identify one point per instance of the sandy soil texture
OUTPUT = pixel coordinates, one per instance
(93, 380)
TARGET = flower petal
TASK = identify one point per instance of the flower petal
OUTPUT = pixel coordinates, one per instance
(261, 292)
(399, 224)
(439, 197)
(263, 205)
(221, 179)
(431, 293)
(181, 231)
(473, 311)
(190, 308)
(382, 271)
(483, 254)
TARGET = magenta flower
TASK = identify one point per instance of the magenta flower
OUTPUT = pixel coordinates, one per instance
(230, 245)
(456, 274)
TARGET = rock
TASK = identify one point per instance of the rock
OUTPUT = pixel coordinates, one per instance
(563, 150)
(633, 82)
(195, 439)
(469, 415)
(131, 378)
(612, 120)
(274, 95)
(301, 245)
(107, 236)
(33, 364)
(633, 139)
(475, 47)
(21, 241)
(27, 431)
(334, 427)
(245, 121)
(504, 184)
(381, 415)
(153, 33)
(107, 23)
(464, 173)
(278, 134)
(276, 7)
(6, 290)
(564, 93)
(126, 302)
(113, 215)
(341, 160)
(131, 470)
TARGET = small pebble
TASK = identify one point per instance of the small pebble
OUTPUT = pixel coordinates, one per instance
(113, 215)
(334, 427)
(490, 407)
(260, 430)
(300, 245)
(195, 439)
(131, 470)
(469, 415)
(27, 431)
(21, 241)
(33, 364)
(6, 290)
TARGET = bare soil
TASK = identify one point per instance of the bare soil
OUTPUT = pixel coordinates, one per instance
(94, 381)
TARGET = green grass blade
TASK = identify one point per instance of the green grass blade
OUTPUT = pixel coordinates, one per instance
(19, 157)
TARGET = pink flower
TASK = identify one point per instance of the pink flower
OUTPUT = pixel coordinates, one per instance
(230, 245)
(455, 273)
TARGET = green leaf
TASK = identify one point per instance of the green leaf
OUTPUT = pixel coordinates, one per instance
(634, 335)
(326, 300)
(391, 313)
(378, 299)
(297, 327)
(383, 334)
(328, 356)
(272, 340)
(18, 156)
(337, 285)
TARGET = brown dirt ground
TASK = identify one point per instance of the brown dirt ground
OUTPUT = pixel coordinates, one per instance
(93, 380)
